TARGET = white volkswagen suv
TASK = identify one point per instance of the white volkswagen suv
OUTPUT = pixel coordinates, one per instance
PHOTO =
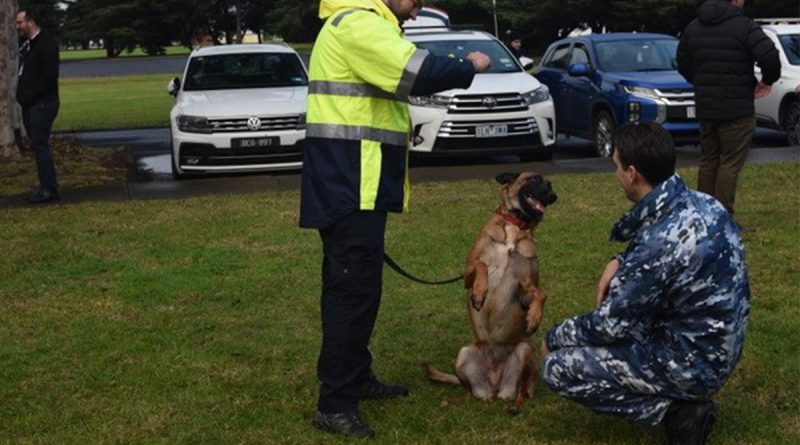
(504, 111)
(239, 108)
(781, 108)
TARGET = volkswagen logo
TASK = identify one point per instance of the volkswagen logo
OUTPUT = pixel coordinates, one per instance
(489, 102)
(254, 123)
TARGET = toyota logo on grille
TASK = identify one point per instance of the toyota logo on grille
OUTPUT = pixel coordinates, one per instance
(489, 102)
(254, 123)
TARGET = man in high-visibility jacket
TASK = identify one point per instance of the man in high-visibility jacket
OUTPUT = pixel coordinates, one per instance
(354, 172)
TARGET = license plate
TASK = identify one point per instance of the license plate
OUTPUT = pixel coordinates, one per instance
(491, 131)
(690, 112)
(254, 142)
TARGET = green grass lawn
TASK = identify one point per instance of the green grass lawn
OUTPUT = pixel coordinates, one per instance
(197, 320)
(114, 102)
(78, 54)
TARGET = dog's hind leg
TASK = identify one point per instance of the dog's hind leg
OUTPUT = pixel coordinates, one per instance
(519, 377)
(472, 369)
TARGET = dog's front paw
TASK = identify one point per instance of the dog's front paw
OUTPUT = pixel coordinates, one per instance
(477, 302)
(533, 319)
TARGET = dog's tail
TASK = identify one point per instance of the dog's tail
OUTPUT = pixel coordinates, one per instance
(435, 375)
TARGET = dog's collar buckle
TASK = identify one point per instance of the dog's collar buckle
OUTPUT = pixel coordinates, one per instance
(516, 221)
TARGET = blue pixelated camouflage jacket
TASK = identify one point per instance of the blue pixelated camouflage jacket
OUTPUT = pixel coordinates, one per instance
(681, 290)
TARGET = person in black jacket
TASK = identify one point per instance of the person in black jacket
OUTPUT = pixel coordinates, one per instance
(716, 53)
(37, 93)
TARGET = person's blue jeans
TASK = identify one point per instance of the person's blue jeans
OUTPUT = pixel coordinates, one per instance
(38, 120)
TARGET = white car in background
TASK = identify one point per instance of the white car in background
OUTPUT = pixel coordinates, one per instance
(781, 108)
(504, 111)
(239, 108)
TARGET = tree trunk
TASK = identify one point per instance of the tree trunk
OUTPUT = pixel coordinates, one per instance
(9, 110)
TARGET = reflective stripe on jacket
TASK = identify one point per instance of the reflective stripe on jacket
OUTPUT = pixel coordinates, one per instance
(361, 72)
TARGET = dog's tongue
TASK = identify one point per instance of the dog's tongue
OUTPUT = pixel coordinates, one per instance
(535, 203)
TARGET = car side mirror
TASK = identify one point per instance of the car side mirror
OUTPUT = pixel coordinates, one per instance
(174, 86)
(527, 63)
(579, 69)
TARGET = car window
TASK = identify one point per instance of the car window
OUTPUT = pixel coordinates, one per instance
(791, 46)
(637, 55)
(579, 55)
(502, 61)
(244, 70)
(559, 59)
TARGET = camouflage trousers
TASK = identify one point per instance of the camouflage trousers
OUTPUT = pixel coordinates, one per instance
(612, 380)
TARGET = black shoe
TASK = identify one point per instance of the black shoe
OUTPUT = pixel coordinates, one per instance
(43, 196)
(689, 423)
(349, 424)
(375, 389)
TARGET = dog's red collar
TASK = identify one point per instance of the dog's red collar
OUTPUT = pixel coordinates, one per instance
(516, 221)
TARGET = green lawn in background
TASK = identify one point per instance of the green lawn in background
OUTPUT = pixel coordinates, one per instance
(114, 102)
(197, 320)
(78, 54)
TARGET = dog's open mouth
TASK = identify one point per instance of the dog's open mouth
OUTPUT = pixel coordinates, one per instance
(535, 204)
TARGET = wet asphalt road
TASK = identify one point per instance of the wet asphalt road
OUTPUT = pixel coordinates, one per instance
(149, 175)
(149, 150)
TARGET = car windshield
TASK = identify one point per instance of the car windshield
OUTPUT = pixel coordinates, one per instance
(791, 46)
(637, 55)
(502, 60)
(244, 70)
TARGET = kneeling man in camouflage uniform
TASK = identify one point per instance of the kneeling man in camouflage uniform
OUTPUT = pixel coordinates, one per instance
(672, 308)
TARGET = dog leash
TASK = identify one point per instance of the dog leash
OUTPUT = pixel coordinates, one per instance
(393, 264)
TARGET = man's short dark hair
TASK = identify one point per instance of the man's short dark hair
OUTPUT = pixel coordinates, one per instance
(648, 147)
(31, 14)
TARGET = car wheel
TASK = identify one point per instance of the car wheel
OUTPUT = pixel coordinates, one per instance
(603, 129)
(792, 123)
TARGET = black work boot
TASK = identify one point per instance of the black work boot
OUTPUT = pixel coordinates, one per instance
(348, 423)
(375, 389)
(689, 423)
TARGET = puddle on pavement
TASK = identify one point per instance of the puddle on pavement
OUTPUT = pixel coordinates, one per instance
(152, 168)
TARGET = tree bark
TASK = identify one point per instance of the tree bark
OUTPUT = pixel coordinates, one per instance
(9, 109)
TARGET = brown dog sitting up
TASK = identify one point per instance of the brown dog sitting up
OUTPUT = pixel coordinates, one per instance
(505, 302)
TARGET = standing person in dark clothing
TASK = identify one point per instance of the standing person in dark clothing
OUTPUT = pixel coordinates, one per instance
(515, 45)
(355, 171)
(716, 53)
(37, 93)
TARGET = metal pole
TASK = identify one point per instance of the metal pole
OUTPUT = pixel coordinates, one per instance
(494, 13)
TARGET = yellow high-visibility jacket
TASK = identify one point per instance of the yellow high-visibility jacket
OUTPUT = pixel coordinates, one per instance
(361, 72)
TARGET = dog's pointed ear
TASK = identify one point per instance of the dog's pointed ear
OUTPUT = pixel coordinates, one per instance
(506, 178)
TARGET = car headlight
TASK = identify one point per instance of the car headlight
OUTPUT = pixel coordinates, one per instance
(193, 124)
(540, 94)
(301, 121)
(649, 93)
(435, 101)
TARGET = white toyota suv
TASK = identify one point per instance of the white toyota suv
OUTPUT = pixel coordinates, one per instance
(504, 111)
(781, 108)
(239, 108)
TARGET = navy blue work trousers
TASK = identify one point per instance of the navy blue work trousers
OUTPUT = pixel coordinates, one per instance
(38, 120)
(352, 277)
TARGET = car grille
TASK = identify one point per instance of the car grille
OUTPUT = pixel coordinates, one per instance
(486, 103)
(466, 129)
(677, 101)
(268, 123)
(493, 144)
(207, 154)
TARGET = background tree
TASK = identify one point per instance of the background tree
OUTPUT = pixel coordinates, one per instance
(9, 116)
